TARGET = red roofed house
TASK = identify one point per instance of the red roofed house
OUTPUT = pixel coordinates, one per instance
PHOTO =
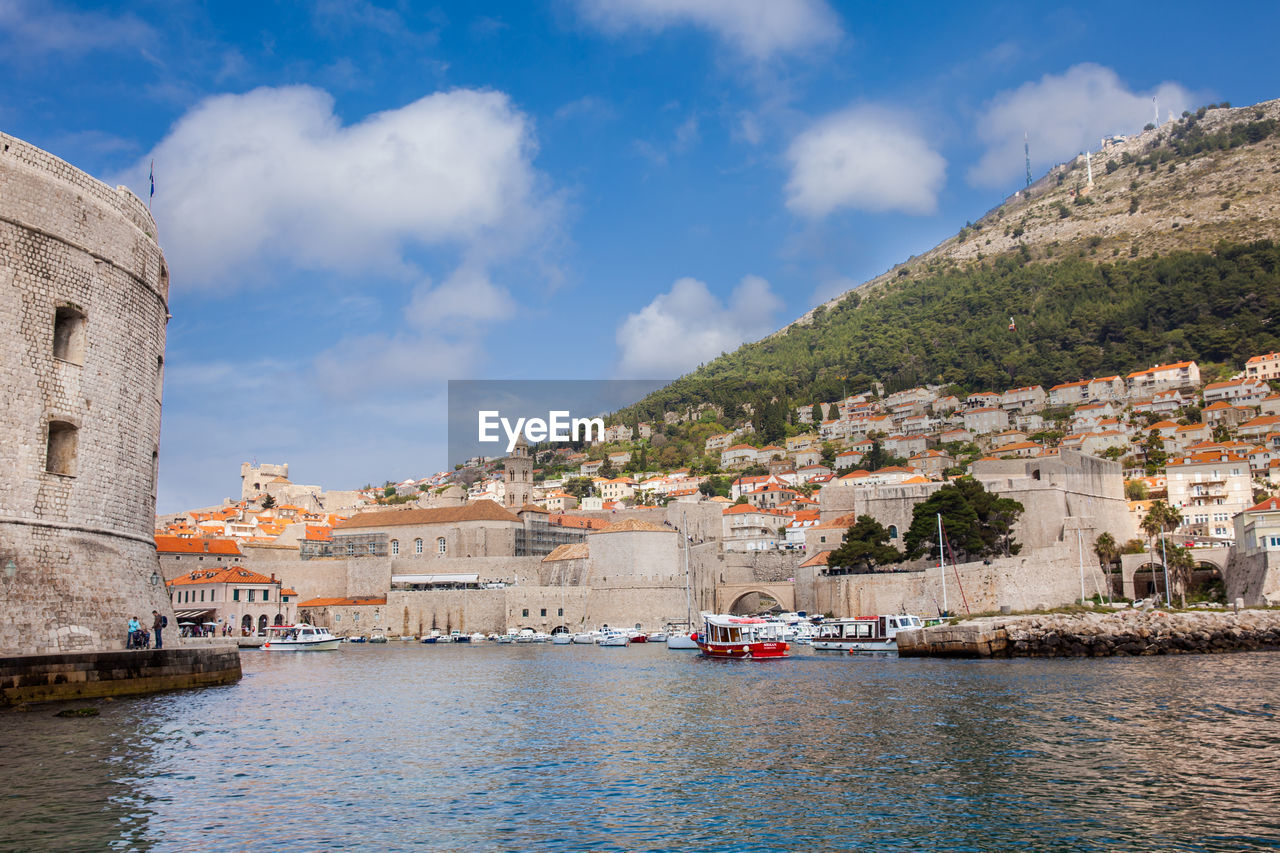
(749, 528)
(1263, 366)
(179, 554)
(214, 600)
(1209, 488)
(1257, 531)
(1162, 377)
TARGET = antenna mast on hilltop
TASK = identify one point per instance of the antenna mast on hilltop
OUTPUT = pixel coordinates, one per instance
(1155, 105)
(1026, 150)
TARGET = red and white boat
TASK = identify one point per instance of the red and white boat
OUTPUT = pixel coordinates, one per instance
(742, 637)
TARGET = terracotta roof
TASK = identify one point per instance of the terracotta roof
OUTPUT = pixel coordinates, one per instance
(1175, 366)
(343, 602)
(571, 551)
(474, 511)
(288, 591)
(632, 525)
(228, 574)
(818, 559)
(579, 522)
(1269, 505)
(166, 544)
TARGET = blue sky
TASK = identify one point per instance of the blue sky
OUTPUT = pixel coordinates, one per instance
(361, 200)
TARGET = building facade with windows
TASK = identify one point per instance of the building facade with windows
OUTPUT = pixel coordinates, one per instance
(243, 599)
(1209, 489)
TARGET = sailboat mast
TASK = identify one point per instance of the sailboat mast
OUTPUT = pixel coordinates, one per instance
(688, 596)
(942, 564)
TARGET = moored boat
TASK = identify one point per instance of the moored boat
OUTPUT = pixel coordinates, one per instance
(301, 638)
(613, 637)
(864, 633)
(741, 637)
(682, 641)
(377, 635)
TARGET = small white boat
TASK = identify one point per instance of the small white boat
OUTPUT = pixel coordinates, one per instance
(613, 637)
(586, 638)
(477, 637)
(377, 635)
(681, 642)
(563, 638)
(301, 638)
(658, 637)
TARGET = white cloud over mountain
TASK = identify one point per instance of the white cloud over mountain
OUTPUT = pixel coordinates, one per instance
(757, 29)
(273, 175)
(867, 158)
(1063, 115)
(689, 325)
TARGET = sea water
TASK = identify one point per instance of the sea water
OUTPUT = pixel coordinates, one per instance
(544, 748)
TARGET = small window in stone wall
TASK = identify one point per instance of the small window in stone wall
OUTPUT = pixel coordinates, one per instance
(524, 612)
(395, 547)
(440, 545)
(544, 611)
(60, 452)
(68, 334)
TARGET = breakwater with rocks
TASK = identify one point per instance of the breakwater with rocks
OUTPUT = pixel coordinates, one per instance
(1097, 634)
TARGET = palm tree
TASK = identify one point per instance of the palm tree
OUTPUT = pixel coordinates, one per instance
(1107, 550)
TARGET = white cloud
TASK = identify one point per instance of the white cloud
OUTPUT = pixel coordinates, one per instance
(467, 296)
(865, 157)
(36, 28)
(1063, 114)
(689, 325)
(274, 175)
(758, 29)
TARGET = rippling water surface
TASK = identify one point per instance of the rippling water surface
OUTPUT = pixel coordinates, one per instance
(406, 746)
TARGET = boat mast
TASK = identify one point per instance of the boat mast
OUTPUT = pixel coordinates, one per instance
(688, 600)
(942, 565)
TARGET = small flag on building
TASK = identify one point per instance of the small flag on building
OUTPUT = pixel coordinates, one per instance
(153, 184)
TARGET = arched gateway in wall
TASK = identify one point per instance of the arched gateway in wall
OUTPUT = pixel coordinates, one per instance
(752, 597)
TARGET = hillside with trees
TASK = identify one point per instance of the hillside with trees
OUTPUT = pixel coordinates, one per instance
(1169, 254)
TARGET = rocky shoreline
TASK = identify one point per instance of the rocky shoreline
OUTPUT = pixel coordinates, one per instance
(1098, 634)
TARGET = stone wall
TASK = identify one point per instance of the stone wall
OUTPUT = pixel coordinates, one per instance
(1049, 578)
(1127, 632)
(76, 547)
(60, 677)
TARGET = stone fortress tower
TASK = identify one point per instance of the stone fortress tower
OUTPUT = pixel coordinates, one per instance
(83, 308)
(255, 477)
(517, 475)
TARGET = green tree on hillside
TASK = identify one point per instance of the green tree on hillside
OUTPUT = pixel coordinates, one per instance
(866, 545)
(977, 523)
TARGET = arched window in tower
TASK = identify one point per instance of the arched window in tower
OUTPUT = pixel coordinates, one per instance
(60, 450)
(68, 334)
(893, 531)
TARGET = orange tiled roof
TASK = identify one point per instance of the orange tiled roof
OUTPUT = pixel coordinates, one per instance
(168, 544)
(228, 574)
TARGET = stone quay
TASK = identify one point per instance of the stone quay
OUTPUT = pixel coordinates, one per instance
(1097, 634)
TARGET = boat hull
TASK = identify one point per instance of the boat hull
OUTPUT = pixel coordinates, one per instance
(746, 651)
(316, 646)
(855, 646)
(682, 642)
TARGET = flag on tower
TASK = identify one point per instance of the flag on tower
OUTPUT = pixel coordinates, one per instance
(153, 183)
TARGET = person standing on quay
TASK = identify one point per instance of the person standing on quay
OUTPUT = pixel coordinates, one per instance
(157, 625)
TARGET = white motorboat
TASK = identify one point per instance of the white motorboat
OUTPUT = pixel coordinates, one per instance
(586, 638)
(614, 638)
(477, 637)
(377, 635)
(301, 637)
(658, 637)
(681, 642)
(562, 638)
(864, 633)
